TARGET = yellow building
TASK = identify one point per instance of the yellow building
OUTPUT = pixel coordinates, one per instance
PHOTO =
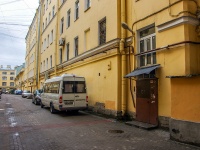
(7, 75)
(166, 68)
(31, 73)
(19, 77)
(139, 57)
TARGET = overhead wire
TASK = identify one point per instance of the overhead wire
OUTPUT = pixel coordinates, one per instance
(10, 2)
(10, 36)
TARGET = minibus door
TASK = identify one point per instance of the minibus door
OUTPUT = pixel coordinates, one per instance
(80, 92)
(68, 92)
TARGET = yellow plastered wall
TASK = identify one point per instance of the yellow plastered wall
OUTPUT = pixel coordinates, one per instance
(185, 99)
(101, 81)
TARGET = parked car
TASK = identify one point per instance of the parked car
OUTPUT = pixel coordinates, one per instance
(26, 93)
(36, 96)
(18, 92)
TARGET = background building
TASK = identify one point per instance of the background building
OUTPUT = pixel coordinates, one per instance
(19, 77)
(7, 75)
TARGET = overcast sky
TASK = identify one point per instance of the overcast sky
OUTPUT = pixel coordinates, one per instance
(15, 19)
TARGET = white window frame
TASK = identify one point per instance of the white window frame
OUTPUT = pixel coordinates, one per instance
(76, 51)
(67, 51)
(151, 54)
(68, 18)
(76, 10)
(87, 4)
(62, 25)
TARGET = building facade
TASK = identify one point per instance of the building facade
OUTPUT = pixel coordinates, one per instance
(19, 77)
(140, 57)
(7, 75)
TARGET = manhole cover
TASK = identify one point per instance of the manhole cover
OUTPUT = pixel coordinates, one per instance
(115, 131)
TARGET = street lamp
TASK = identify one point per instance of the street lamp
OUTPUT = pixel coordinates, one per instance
(125, 26)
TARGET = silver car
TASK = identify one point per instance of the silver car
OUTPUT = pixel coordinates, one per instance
(26, 93)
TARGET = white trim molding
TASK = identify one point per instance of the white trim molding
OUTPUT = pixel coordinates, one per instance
(177, 22)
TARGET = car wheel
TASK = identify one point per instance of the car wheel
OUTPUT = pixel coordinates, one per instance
(32, 101)
(52, 110)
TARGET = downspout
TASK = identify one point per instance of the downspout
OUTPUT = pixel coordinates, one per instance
(38, 47)
(56, 39)
(123, 60)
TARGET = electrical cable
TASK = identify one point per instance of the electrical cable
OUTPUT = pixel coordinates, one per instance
(10, 36)
(10, 2)
(14, 24)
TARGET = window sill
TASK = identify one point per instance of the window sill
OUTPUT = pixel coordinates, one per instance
(87, 9)
(76, 19)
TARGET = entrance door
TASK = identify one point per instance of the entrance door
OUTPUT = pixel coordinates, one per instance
(147, 101)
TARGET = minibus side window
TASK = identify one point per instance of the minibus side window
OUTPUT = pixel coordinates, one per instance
(68, 87)
(80, 87)
(55, 87)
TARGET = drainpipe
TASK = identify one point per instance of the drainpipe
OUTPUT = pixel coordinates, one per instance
(56, 39)
(123, 60)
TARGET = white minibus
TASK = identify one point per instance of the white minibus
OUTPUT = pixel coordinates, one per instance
(63, 93)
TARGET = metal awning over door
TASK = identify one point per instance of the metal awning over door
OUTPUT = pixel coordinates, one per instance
(140, 71)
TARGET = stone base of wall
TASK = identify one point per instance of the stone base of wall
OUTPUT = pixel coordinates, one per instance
(100, 109)
(184, 131)
(163, 122)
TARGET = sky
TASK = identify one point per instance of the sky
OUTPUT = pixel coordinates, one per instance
(15, 18)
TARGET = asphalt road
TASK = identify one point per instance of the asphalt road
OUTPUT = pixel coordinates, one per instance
(25, 126)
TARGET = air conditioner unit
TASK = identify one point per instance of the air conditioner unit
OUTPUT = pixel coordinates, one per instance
(62, 42)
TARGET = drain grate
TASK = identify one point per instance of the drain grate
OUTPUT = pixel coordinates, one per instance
(115, 131)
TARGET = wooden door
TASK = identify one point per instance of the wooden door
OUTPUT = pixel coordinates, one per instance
(147, 101)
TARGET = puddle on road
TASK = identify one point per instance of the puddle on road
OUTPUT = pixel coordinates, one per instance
(9, 111)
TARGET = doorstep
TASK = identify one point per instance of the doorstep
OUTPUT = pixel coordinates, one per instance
(142, 125)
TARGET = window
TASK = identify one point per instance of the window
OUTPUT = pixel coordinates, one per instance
(61, 2)
(44, 10)
(147, 42)
(49, 16)
(74, 87)
(47, 4)
(51, 61)
(76, 46)
(87, 39)
(51, 37)
(4, 78)
(48, 41)
(44, 65)
(67, 51)
(53, 11)
(11, 78)
(68, 18)
(52, 87)
(41, 67)
(76, 10)
(47, 63)
(12, 73)
(61, 55)
(43, 26)
(102, 31)
(61, 25)
(4, 73)
(11, 83)
(4, 83)
(45, 44)
(46, 23)
(87, 4)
